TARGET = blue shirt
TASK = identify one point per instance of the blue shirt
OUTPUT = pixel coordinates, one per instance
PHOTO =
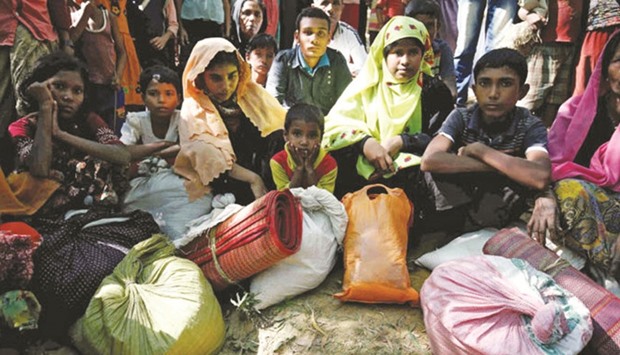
(208, 10)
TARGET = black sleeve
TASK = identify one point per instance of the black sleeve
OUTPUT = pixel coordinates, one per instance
(415, 143)
(437, 103)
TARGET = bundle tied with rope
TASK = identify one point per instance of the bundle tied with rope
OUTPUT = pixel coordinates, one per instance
(250, 241)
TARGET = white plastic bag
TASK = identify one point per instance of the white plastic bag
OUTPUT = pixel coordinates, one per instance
(163, 195)
(324, 225)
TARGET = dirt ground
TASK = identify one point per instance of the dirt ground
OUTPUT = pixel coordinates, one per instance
(317, 323)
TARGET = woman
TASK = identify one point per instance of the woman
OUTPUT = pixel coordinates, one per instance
(584, 146)
(225, 121)
(380, 124)
(250, 19)
(64, 141)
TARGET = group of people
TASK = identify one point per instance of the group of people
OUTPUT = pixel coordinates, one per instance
(253, 119)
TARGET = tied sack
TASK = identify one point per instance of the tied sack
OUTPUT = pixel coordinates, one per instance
(375, 247)
(153, 303)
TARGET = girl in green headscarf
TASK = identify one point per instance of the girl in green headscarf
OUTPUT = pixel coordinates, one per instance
(378, 123)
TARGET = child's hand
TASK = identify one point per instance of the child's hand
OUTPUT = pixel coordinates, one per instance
(55, 128)
(535, 20)
(295, 154)
(40, 91)
(473, 150)
(311, 158)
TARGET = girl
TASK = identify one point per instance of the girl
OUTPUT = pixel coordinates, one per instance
(225, 122)
(378, 126)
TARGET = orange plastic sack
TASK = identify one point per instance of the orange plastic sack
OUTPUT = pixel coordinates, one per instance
(375, 247)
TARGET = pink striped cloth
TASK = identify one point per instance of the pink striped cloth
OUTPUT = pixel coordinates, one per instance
(603, 305)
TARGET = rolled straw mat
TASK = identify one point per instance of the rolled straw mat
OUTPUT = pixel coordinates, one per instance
(603, 305)
(250, 241)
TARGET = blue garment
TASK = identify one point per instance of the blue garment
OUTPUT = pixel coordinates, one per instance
(203, 10)
(469, 24)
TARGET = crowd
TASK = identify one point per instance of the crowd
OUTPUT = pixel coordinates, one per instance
(231, 97)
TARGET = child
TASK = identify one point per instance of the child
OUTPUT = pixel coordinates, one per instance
(488, 157)
(160, 123)
(260, 53)
(303, 162)
(102, 47)
(162, 27)
(429, 13)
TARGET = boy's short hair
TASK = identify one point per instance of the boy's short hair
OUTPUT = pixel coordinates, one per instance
(305, 112)
(312, 12)
(262, 40)
(423, 7)
(161, 74)
(388, 48)
(503, 57)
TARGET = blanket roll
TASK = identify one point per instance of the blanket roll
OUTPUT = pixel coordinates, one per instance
(250, 241)
(603, 305)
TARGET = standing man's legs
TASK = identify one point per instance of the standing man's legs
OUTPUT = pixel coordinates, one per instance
(469, 23)
(500, 13)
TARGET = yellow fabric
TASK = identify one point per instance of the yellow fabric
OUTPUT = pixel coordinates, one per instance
(23, 194)
(282, 181)
(206, 151)
(153, 303)
(374, 105)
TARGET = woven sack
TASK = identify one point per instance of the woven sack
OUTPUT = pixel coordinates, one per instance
(375, 247)
(153, 303)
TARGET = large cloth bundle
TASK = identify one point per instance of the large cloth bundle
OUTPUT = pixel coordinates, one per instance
(250, 241)
(493, 305)
(324, 224)
(153, 303)
(603, 305)
(375, 247)
(76, 255)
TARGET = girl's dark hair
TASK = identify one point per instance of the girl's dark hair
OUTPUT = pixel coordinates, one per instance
(162, 74)
(262, 40)
(306, 113)
(388, 48)
(503, 57)
(48, 66)
(222, 57)
(608, 54)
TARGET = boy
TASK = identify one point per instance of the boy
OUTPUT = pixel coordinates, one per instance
(303, 162)
(260, 53)
(155, 131)
(488, 157)
(310, 72)
(429, 13)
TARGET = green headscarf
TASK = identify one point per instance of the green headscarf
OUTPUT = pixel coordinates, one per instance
(374, 104)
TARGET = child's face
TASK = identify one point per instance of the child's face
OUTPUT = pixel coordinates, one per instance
(303, 135)
(497, 92)
(403, 60)
(430, 22)
(313, 37)
(221, 81)
(260, 59)
(67, 89)
(161, 98)
(251, 18)
(613, 72)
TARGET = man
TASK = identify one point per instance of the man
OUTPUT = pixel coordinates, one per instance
(309, 73)
(344, 37)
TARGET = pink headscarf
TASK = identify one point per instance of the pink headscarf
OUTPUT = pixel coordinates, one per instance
(569, 131)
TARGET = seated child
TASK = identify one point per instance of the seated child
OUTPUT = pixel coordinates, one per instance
(155, 131)
(429, 13)
(260, 53)
(303, 162)
(489, 157)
